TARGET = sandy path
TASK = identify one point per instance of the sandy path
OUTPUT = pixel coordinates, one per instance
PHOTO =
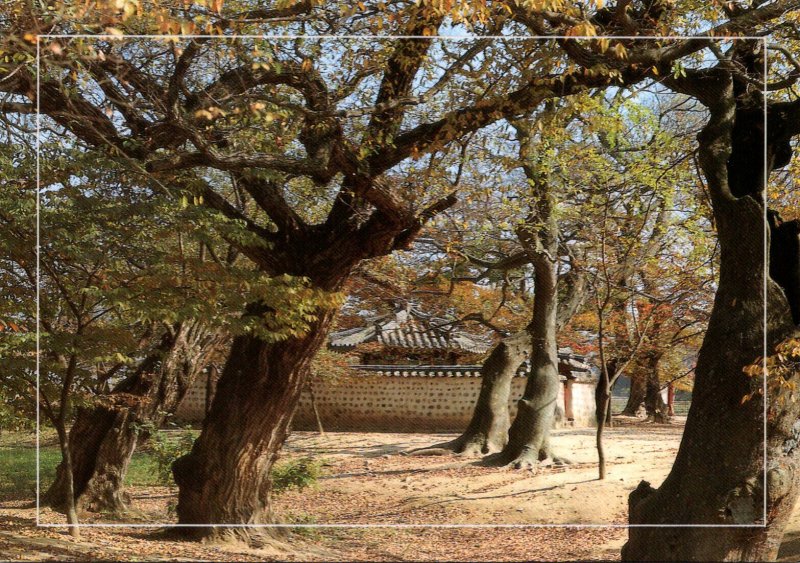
(371, 481)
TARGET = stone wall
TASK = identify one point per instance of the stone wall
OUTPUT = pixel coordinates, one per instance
(381, 403)
(193, 405)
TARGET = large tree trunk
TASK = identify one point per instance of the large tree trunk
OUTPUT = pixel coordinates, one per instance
(104, 437)
(487, 431)
(638, 392)
(225, 479)
(529, 434)
(718, 475)
(655, 407)
(224, 482)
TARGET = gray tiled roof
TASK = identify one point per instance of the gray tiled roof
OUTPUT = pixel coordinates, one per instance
(410, 329)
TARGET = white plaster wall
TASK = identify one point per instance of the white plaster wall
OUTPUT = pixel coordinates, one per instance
(400, 404)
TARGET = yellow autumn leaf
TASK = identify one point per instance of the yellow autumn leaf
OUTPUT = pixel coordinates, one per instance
(128, 10)
(187, 28)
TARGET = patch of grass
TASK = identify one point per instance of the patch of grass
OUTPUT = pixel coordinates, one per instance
(18, 469)
(150, 464)
(18, 466)
(143, 471)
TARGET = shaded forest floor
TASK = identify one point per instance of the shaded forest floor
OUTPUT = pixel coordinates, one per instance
(368, 479)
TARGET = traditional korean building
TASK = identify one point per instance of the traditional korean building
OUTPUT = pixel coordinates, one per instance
(419, 373)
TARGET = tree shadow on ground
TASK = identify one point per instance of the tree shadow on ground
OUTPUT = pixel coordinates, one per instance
(790, 548)
(375, 473)
(406, 505)
(379, 450)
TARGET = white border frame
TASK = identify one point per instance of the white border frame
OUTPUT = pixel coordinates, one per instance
(283, 37)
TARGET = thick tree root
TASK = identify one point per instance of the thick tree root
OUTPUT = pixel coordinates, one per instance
(118, 505)
(465, 445)
(555, 461)
(658, 419)
(529, 458)
(271, 538)
(429, 451)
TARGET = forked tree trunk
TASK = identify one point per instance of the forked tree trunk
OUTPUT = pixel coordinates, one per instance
(637, 393)
(529, 434)
(225, 479)
(487, 431)
(104, 437)
(718, 474)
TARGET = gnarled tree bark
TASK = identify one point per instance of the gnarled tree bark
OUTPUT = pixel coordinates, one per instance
(529, 434)
(637, 394)
(718, 475)
(224, 482)
(225, 479)
(487, 431)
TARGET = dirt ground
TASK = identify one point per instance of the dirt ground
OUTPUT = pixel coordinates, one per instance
(420, 507)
